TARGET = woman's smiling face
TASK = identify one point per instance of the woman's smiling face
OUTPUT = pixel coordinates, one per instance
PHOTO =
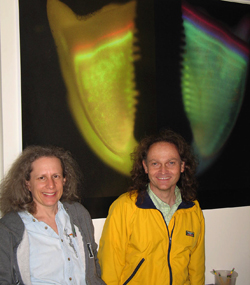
(46, 182)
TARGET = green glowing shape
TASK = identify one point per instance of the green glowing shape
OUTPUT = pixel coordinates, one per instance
(109, 101)
(213, 82)
(96, 55)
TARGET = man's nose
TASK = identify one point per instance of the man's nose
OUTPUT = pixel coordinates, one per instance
(164, 169)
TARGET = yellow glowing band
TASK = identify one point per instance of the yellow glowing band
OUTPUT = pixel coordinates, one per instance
(97, 65)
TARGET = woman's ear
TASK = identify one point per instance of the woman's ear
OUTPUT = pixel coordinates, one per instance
(27, 184)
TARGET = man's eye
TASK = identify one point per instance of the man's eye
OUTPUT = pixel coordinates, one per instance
(41, 178)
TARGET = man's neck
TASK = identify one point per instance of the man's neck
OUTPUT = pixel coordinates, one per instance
(167, 196)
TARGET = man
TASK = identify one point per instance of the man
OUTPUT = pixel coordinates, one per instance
(154, 234)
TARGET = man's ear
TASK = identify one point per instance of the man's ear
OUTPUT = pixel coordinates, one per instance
(145, 166)
(182, 166)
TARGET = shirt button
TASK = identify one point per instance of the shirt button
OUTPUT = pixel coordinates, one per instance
(70, 278)
(68, 259)
(61, 240)
(34, 220)
(46, 228)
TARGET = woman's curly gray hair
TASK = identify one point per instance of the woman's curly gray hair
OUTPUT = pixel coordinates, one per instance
(14, 193)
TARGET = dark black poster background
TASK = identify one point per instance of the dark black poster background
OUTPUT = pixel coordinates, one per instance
(46, 119)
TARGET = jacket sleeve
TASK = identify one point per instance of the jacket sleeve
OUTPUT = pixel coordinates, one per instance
(6, 253)
(84, 222)
(113, 243)
(197, 260)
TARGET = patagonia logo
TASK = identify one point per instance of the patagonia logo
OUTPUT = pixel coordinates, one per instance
(91, 255)
(190, 234)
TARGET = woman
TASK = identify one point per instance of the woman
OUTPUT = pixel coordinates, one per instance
(46, 237)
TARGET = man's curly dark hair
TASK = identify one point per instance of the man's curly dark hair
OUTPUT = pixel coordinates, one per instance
(187, 182)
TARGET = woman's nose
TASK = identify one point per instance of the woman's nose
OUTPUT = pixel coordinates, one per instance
(51, 183)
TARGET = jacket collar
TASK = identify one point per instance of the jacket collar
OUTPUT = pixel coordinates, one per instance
(144, 202)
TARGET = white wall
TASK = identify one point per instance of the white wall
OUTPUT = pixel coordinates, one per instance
(228, 242)
(10, 112)
(227, 230)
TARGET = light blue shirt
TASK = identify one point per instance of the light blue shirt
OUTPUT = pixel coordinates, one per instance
(165, 209)
(54, 258)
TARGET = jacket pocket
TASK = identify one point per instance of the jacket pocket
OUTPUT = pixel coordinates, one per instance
(134, 272)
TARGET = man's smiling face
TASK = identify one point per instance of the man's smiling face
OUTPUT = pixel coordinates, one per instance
(163, 166)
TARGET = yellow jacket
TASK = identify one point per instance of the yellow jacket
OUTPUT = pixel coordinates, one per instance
(137, 247)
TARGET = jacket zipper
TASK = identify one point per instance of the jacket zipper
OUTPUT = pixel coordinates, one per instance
(134, 272)
(169, 249)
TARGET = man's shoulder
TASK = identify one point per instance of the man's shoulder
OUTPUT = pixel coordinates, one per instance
(128, 198)
(190, 207)
(124, 201)
(197, 203)
(197, 207)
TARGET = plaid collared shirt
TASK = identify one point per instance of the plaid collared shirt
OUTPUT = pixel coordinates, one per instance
(165, 209)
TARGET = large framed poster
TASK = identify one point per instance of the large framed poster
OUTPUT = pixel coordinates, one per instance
(97, 76)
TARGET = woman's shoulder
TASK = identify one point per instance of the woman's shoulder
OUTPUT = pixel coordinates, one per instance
(75, 208)
(11, 223)
(11, 218)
